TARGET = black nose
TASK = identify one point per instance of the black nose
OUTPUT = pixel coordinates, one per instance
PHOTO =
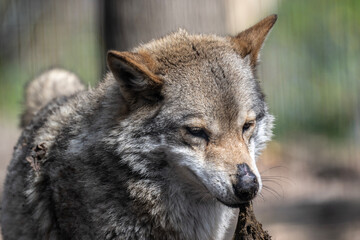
(246, 184)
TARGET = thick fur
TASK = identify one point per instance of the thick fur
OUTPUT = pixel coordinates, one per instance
(117, 161)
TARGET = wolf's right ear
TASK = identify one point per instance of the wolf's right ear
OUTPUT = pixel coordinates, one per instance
(134, 73)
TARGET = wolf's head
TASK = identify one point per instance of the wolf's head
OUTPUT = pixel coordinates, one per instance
(193, 104)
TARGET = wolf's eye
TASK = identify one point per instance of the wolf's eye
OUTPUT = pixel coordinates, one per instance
(248, 125)
(197, 132)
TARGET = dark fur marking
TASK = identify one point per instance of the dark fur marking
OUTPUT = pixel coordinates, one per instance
(167, 62)
(195, 49)
(222, 71)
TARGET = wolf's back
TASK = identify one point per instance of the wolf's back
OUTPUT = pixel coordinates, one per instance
(47, 86)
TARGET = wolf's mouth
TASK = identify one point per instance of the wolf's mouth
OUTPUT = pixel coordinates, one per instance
(232, 205)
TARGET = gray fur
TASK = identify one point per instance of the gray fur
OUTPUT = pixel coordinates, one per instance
(115, 162)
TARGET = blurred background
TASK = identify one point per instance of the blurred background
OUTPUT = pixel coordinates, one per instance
(309, 71)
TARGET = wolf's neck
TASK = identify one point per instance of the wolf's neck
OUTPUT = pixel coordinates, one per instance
(180, 214)
(202, 220)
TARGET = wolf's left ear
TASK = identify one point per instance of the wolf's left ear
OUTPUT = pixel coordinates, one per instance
(135, 75)
(250, 41)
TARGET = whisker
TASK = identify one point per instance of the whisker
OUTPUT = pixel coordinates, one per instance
(277, 184)
(261, 196)
(275, 180)
(278, 178)
(275, 176)
(272, 181)
(272, 191)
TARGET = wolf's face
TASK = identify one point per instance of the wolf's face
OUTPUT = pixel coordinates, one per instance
(196, 99)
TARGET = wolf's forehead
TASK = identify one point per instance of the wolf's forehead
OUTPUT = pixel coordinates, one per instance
(215, 73)
(213, 87)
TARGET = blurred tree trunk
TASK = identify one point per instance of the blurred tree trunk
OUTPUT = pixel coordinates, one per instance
(126, 24)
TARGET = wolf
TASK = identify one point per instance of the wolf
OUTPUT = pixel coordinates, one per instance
(164, 147)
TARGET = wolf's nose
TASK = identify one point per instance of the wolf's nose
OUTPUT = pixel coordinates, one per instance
(246, 184)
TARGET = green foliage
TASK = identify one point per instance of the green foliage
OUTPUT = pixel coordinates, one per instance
(313, 69)
(11, 91)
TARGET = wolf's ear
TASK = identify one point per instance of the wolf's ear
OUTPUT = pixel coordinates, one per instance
(250, 41)
(135, 75)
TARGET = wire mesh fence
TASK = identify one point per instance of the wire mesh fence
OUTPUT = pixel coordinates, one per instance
(309, 72)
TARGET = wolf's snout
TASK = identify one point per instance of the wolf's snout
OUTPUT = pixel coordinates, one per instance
(246, 184)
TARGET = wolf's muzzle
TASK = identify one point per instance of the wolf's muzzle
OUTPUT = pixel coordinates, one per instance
(246, 184)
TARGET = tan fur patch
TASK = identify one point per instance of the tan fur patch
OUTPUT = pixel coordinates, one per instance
(229, 152)
(251, 40)
(141, 62)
